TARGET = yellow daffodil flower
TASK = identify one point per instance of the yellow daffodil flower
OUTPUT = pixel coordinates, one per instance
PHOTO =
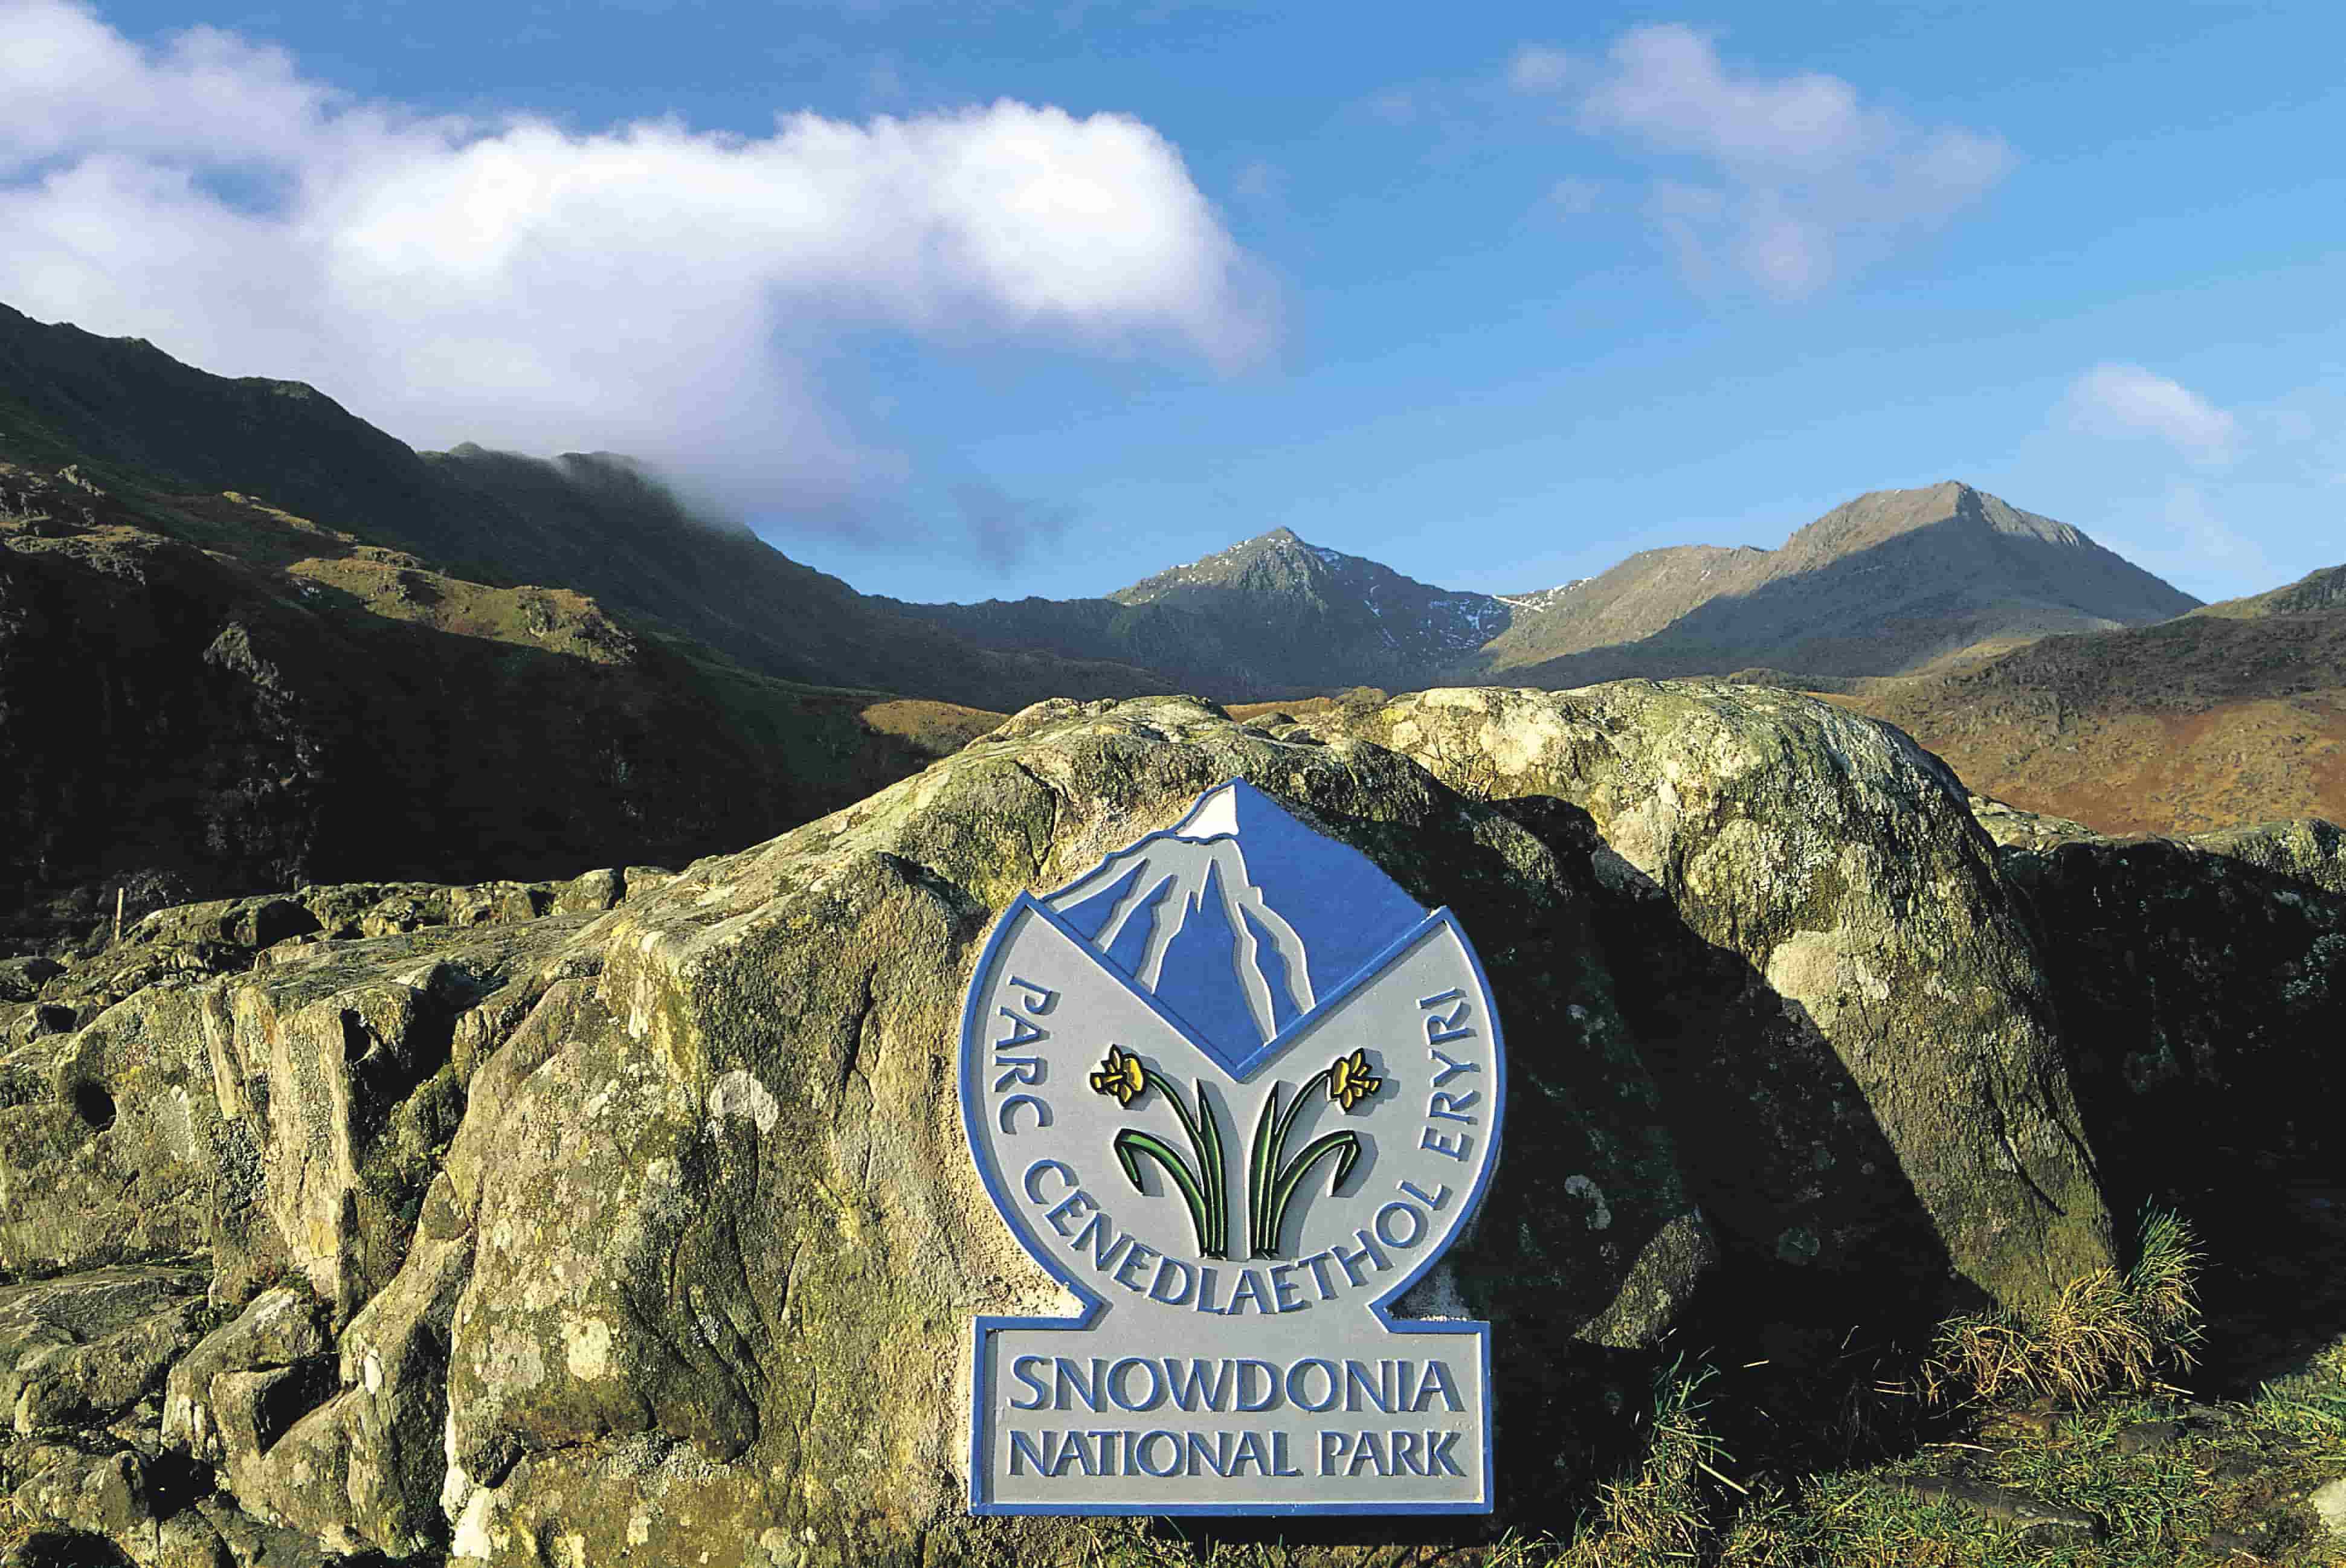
(1349, 1082)
(1121, 1075)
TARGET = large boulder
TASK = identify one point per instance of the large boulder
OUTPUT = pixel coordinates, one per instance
(1836, 988)
(729, 1240)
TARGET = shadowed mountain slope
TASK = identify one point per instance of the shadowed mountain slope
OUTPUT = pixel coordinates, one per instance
(597, 524)
(203, 694)
(2233, 714)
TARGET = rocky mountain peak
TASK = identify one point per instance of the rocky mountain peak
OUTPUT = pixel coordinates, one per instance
(1395, 626)
(1881, 515)
(1891, 582)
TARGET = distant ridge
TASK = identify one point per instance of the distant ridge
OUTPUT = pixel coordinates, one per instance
(1269, 617)
(2315, 593)
(1892, 582)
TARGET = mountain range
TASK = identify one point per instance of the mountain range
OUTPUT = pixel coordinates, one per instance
(593, 523)
(1895, 582)
(1271, 615)
(246, 637)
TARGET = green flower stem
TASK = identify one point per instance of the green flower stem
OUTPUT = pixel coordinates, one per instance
(1348, 1142)
(1210, 1153)
(1214, 1234)
(1303, 1095)
(1259, 1165)
(1132, 1143)
(1269, 1143)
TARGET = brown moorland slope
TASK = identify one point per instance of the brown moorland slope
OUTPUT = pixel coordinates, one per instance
(2235, 713)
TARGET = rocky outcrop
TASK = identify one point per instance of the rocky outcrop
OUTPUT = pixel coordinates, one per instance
(718, 1177)
(647, 1230)
(2201, 983)
(81, 1351)
(272, 1108)
(1847, 1012)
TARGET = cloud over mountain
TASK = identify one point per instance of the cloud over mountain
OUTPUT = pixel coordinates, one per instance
(648, 286)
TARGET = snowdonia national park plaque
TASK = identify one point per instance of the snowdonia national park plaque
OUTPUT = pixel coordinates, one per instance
(1235, 1091)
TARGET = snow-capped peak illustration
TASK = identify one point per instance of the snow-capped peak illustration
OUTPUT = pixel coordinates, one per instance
(1239, 920)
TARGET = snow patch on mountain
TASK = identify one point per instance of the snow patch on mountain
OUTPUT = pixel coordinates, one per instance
(1544, 599)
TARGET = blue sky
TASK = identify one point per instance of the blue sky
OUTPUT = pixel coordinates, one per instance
(1016, 300)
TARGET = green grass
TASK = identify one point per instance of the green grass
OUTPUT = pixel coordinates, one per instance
(2309, 1406)
(2088, 1364)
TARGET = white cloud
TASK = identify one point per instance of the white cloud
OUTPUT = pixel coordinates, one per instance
(2127, 400)
(1800, 183)
(1536, 69)
(646, 289)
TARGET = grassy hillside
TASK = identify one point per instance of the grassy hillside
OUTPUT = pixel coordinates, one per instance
(2235, 713)
(204, 693)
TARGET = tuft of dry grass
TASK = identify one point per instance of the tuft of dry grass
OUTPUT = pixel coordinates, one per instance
(2103, 1333)
(17, 1528)
(2165, 1282)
